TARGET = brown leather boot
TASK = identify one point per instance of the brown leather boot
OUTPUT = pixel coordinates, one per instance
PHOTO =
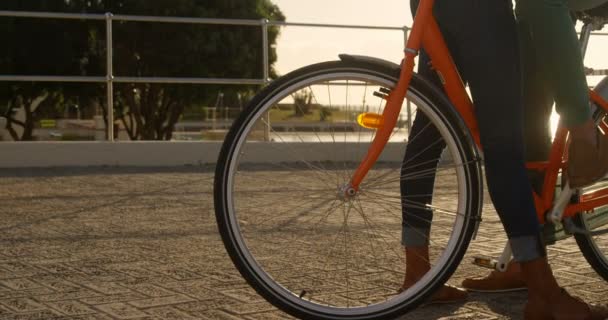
(546, 300)
(564, 307)
(587, 159)
(416, 266)
(497, 281)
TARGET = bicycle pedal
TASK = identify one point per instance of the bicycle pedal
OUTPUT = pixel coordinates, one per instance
(485, 262)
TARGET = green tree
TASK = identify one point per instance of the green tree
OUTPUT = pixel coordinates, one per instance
(151, 49)
(150, 111)
(324, 113)
(37, 47)
(302, 103)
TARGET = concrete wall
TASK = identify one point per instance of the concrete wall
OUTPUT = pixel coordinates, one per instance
(159, 154)
(145, 154)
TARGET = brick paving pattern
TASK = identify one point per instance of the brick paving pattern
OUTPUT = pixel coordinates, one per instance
(132, 244)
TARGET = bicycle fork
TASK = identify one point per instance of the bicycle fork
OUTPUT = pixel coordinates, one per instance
(395, 98)
(390, 116)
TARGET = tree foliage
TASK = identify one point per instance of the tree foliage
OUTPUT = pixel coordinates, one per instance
(302, 103)
(37, 47)
(150, 49)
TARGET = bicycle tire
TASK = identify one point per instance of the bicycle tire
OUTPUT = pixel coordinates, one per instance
(304, 279)
(595, 248)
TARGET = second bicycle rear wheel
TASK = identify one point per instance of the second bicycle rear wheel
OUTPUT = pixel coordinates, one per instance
(280, 202)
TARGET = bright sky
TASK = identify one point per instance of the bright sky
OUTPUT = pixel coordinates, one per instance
(300, 46)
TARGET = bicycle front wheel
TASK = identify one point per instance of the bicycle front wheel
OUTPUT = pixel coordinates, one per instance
(280, 204)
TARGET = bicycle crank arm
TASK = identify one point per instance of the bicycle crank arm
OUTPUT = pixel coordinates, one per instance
(562, 201)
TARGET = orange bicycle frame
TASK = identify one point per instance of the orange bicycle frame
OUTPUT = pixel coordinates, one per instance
(425, 33)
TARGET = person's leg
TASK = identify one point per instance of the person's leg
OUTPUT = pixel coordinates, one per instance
(419, 157)
(488, 47)
(416, 221)
(559, 51)
(488, 52)
(496, 88)
(538, 103)
(491, 67)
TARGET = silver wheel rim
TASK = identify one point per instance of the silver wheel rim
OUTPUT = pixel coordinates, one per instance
(282, 291)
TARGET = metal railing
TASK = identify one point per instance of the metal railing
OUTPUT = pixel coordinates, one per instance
(110, 78)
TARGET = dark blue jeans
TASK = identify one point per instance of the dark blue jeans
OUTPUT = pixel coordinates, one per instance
(482, 38)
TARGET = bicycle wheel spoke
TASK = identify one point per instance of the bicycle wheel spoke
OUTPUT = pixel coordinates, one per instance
(425, 206)
(300, 187)
(331, 129)
(390, 207)
(370, 236)
(369, 222)
(293, 151)
(295, 210)
(427, 173)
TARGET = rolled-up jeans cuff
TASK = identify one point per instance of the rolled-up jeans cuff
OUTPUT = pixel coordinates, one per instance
(415, 237)
(527, 248)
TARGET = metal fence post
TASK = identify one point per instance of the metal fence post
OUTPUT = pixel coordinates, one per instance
(265, 54)
(109, 77)
(408, 104)
(266, 72)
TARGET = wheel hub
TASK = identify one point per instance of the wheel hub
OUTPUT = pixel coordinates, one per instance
(347, 192)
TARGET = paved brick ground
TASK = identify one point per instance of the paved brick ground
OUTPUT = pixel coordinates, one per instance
(119, 244)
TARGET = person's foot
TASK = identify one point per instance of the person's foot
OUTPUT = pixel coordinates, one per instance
(587, 155)
(416, 266)
(546, 300)
(509, 280)
(562, 307)
(445, 294)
